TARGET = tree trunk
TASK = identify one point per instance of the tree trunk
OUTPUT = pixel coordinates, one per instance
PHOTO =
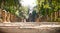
(55, 17)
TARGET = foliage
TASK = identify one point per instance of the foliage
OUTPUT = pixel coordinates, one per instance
(10, 5)
(48, 6)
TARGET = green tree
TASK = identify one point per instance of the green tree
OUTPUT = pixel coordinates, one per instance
(48, 7)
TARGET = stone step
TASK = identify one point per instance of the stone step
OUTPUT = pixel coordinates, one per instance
(29, 27)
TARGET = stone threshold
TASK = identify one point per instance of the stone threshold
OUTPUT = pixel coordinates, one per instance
(29, 24)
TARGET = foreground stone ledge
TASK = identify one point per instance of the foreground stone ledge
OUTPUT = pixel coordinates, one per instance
(30, 27)
(30, 24)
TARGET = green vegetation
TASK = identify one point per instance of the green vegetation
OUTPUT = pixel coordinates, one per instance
(49, 9)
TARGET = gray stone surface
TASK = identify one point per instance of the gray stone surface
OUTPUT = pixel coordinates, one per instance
(31, 28)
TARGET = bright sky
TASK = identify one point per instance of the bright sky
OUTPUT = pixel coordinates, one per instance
(30, 3)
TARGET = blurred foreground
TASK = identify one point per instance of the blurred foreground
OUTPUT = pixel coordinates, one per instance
(22, 27)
